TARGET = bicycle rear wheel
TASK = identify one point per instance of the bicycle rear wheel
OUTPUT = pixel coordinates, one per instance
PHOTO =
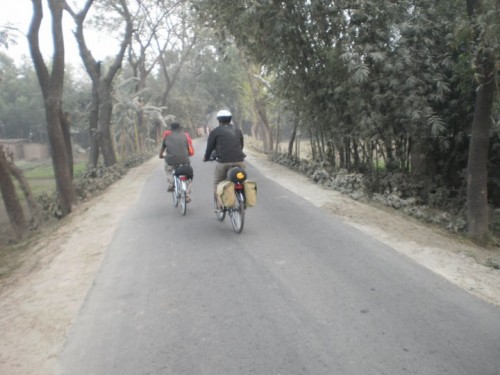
(175, 193)
(183, 199)
(238, 213)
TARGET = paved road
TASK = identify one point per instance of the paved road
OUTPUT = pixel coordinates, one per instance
(296, 293)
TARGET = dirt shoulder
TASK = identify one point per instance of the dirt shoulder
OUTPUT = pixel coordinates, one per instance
(40, 300)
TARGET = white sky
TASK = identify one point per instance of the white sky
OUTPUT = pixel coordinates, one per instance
(17, 13)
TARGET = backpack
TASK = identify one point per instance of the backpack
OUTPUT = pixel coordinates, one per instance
(186, 170)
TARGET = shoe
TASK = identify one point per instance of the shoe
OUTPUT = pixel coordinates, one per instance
(170, 188)
(188, 199)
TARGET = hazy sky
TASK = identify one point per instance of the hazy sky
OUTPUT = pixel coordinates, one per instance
(18, 13)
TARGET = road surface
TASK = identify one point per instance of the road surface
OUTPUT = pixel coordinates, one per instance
(297, 292)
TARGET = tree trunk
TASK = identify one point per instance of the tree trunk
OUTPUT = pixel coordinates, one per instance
(312, 143)
(355, 155)
(347, 150)
(142, 130)
(278, 135)
(267, 133)
(292, 137)
(93, 128)
(60, 161)
(52, 85)
(477, 165)
(264, 127)
(65, 125)
(28, 195)
(105, 136)
(341, 149)
(330, 153)
(260, 106)
(11, 202)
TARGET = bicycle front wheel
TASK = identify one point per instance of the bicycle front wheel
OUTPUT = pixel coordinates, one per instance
(238, 213)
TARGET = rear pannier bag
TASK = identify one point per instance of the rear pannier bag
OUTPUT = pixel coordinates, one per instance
(225, 194)
(250, 193)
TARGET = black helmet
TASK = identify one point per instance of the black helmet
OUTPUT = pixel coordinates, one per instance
(224, 116)
(236, 174)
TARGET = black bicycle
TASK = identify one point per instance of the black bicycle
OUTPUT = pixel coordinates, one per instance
(236, 212)
(236, 176)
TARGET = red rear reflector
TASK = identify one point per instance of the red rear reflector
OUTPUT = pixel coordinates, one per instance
(183, 178)
(238, 187)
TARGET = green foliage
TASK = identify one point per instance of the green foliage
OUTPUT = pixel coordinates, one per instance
(369, 79)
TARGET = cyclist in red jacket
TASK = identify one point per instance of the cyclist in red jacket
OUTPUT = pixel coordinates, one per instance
(179, 147)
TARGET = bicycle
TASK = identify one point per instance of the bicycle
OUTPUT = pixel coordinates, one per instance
(181, 184)
(236, 212)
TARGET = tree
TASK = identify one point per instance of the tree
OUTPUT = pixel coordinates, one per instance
(174, 45)
(102, 82)
(164, 37)
(374, 83)
(51, 84)
(477, 168)
(259, 88)
(204, 84)
(33, 208)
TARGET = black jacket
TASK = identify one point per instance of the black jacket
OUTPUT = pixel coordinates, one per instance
(227, 141)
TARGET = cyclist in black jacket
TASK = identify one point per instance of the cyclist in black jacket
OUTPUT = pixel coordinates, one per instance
(227, 142)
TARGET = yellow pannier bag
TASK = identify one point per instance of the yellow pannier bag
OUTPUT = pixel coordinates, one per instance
(225, 193)
(250, 193)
